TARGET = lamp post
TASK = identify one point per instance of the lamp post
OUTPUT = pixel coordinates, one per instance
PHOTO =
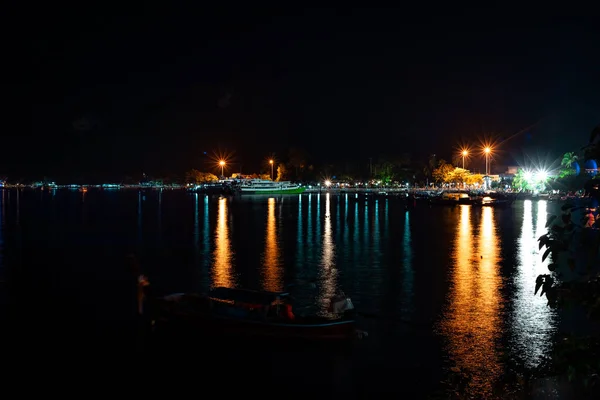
(487, 152)
(222, 164)
(464, 154)
(271, 162)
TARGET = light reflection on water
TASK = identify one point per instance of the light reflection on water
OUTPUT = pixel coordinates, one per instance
(408, 278)
(472, 322)
(223, 255)
(532, 320)
(328, 271)
(272, 274)
(394, 264)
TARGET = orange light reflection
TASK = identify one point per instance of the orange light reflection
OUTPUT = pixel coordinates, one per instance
(272, 279)
(223, 256)
(472, 324)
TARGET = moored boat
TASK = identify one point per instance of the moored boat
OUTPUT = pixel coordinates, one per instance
(248, 313)
(263, 186)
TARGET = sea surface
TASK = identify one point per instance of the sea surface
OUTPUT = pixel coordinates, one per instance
(444, 291)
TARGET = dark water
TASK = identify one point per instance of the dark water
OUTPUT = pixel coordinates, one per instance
(443, 289)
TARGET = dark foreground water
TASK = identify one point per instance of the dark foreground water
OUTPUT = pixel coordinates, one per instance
(445, 290)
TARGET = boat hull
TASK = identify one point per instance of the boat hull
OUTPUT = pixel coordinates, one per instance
(296, 190)
(220, 327)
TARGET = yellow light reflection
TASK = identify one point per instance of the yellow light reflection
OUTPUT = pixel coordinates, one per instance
(272, 279)
(472, 324)
(223, 256)
(328, 275)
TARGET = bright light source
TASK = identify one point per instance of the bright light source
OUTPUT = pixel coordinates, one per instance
(487, 150)
(221, 163)
(327, 183)
(465, 153)
(270, 161)
(541, 176)
(528, 175)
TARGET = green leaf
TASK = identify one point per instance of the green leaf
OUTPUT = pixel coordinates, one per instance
(546, 253)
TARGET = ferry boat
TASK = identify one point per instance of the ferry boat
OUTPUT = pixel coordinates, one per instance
(263, 186)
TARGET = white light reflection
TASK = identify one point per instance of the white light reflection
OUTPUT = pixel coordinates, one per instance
(533, 321)
(18, 208)
(328, 273)
(299, 236)
(309, 233)
(196, 224)
(346, 220)
(139, 220)
(206, 236)
(408, 273)
(159, 229)
(223, 256)
(2, 222)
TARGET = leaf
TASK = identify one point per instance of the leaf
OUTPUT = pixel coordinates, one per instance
(538, 283)
(546, 253)
(552, 267)
(550, 220)
(543, 241)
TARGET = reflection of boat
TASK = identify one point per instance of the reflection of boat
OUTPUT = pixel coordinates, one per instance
(490, 202)
(242, 312)
(451, 199)
(215, 188)
(263, 186)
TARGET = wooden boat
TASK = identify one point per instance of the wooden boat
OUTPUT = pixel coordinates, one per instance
(241, 312)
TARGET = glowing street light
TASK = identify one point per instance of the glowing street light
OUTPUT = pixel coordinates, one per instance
(327, 183)
(222, 164)
(272, 163)
(487, 150)
(464, 154)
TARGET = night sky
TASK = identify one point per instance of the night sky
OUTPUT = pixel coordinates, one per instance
(117, 92)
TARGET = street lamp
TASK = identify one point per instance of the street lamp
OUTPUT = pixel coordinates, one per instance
(487, 150)
(222, 164)
(271, 162)
(464, 154)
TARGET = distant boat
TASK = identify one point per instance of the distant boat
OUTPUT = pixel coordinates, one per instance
(451, 199)
(263, 186)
